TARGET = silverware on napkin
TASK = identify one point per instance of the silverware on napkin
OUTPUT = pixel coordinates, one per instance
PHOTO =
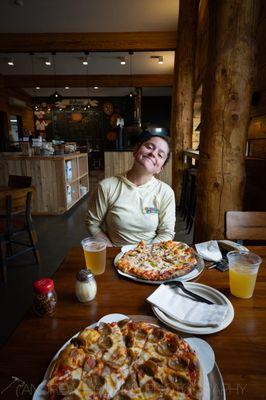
(188, 292)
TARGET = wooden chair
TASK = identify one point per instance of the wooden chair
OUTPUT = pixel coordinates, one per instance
(245, 225)
(19, 181)
(15, 219)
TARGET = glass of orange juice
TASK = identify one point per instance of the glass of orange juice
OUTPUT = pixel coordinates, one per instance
(95, 254)
(243, 270)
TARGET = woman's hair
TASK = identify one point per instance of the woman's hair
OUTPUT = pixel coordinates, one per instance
(146, 135)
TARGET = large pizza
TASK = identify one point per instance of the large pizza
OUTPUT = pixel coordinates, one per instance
(159, 261)
(126, 360)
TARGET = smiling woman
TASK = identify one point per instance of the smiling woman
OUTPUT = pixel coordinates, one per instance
(135, 206)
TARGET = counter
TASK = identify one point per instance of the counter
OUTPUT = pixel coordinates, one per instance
(60, 181)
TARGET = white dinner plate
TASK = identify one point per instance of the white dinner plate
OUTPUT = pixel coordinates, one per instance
(184, 278)
(202, 349)
(209, 293)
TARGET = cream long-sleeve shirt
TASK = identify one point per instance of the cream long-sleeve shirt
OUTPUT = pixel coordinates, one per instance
(128, 213)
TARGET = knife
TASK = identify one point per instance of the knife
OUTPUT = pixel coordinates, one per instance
(195, 296)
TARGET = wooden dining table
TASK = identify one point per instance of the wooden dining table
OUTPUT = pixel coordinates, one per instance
(240, 349)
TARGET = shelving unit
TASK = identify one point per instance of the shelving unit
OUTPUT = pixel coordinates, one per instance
(77, 179)
(60, 181)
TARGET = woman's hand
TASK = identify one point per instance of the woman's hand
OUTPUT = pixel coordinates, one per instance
(102, 235)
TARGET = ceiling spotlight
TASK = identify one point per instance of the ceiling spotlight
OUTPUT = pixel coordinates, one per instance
(66, 87)
(38, 87)
(85, 59)
(160, 60)
(96, 87)
(48, 61)
(10, 61)
(123, 60)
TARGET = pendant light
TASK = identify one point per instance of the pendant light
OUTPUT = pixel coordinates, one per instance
(33, 105)
(55, 97)
(88, 88)
(131, 93)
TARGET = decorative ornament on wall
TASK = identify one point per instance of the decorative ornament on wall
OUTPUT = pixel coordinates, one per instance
(40, 123)
(108, 108)
(113, 120)
(76, 117)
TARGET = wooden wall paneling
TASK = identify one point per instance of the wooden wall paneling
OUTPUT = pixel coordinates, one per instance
(37, 182)
(60, 180)
(28, 119)
(91, 41)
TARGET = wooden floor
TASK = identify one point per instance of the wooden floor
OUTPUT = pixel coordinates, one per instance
(57, 234)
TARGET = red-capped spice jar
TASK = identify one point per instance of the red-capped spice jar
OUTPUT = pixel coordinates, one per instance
(44, 299)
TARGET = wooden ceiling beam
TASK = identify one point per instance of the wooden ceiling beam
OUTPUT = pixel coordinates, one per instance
(87, 41)
(29, 81)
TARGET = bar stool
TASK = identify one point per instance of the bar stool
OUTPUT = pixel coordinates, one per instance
(15, 219)
(183, 192)
(188, 189)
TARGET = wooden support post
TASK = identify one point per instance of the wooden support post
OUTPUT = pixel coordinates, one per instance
(225, 114)
(183, 88)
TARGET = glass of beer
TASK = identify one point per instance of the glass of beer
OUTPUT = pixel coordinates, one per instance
(95, 254)
(243, 270)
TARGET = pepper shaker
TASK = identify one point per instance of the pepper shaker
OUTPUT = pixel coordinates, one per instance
(86, 287)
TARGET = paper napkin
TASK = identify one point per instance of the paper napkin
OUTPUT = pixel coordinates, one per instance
(180, 307)
(209, 250)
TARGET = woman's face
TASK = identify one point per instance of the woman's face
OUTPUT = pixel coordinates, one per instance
(152, 154)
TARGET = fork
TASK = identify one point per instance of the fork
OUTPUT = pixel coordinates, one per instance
(191, 294)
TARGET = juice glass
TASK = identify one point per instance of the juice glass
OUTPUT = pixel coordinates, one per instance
(243, 269)
(95, 254)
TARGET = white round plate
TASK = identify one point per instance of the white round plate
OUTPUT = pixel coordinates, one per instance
(108, 319)
(41, 393)
(128, 247)
(188, 277)
(210, 294)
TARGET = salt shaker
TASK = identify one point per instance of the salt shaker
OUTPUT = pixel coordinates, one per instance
(86, 287)
(45, 299)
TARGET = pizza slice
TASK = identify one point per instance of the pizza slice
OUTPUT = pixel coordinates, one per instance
(168, 367)
(135, 335)
(66, 372)
(111, 368)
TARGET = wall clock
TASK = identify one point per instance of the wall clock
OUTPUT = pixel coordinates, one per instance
(108, 108)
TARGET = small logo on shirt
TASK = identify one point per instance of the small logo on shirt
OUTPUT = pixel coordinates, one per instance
(151, 210)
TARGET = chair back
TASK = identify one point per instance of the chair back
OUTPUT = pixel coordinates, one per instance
(245, 225)
(19, 181)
